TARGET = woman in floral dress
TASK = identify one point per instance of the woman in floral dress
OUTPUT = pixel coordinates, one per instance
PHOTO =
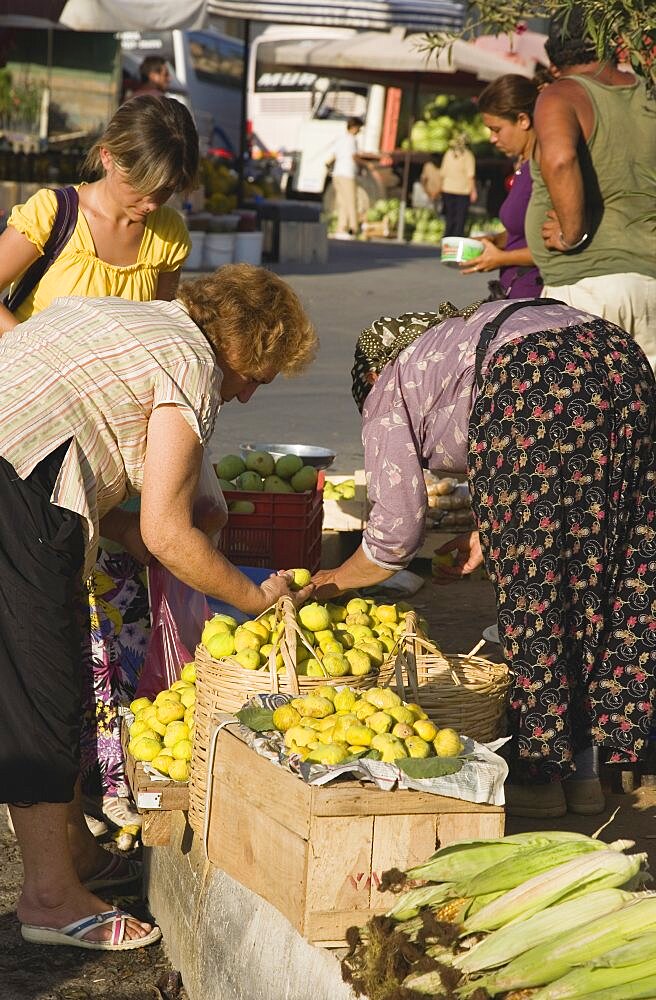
(552, 413)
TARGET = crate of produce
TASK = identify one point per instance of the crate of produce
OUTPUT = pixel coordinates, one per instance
(345, 513)
(282, 531)
(318, 853)
(463, 691)
(225, 685)
(155, 799)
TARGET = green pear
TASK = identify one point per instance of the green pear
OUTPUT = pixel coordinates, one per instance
(288, 465)
(251, 481)
(274, 484)
(241, 507)
(229, 467)
(305, 479)
(260, 461)
(226, 486)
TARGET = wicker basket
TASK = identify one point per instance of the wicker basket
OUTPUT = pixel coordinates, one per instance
(225, 686)
(462, 691)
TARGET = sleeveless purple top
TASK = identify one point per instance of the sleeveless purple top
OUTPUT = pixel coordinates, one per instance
(512, 213)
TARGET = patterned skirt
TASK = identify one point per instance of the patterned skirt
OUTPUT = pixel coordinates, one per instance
(562, 473)
(116, 630)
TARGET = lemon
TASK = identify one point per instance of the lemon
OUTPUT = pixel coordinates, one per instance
(179, 770)
(182, 750)
(175, 731)
(188, 673)
(138, 704)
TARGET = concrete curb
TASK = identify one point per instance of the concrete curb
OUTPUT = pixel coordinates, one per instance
(228, 943)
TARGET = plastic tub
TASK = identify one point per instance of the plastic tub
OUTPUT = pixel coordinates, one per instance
(458, 250)
(248, 248)
(194, 261)
(219, 250)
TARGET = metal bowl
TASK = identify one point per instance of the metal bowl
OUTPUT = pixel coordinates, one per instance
(311, 454)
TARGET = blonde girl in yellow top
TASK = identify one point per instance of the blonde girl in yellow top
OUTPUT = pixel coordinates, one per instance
(127, 243)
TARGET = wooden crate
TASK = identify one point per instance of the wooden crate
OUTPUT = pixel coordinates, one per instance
(155, 800)
(318, 853)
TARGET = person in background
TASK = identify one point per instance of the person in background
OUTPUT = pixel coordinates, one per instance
(118, 399)
(431, 181)
(507, 107)
(552, 413)
(458, 171)
(346, 163)
(154, 77)
(591, 222)
(126, 243)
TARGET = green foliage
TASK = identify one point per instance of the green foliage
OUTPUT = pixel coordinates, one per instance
(624, 25)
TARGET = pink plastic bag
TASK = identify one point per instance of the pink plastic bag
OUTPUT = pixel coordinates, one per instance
(178, 616)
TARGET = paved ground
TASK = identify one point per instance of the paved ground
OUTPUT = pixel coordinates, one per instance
(359, 283)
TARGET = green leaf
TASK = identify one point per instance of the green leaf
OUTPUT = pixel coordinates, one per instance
(260, 720)
(429, 767)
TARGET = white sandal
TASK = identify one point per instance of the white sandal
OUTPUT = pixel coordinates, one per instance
(73, 934)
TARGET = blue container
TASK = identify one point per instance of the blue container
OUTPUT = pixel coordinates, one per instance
(255, 573)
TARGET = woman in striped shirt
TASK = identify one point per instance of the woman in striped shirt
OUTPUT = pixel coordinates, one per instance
(101, 400)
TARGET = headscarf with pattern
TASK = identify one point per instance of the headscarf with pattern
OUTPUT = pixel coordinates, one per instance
(387, 336)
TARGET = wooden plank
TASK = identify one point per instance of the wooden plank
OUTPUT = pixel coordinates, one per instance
(156, 828)
(257, 851)
(282, 796)
(399, 842)
(350, 798)
(328, 928)
(457, 826)
(339, 864)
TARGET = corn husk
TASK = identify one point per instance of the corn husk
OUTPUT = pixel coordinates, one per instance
(629, 963)
(515, 938)
(553, 959)
(456, 862)
(596, 870)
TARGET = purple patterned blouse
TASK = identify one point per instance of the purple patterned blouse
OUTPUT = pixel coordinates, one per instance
(512, 213)
(417, 415)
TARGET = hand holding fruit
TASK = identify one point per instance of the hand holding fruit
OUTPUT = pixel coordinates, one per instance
(281, 584)
(466, 556)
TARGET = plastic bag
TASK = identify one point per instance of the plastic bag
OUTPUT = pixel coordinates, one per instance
(210, 507)
(178, 616)
(178, 612)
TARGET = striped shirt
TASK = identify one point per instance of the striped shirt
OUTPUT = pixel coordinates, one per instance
(93, 371)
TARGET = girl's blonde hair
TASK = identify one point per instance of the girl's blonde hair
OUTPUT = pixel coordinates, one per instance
(154, 142)
(253, 319)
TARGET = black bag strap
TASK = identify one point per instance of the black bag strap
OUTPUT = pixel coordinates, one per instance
(60, 234)
(491, 328)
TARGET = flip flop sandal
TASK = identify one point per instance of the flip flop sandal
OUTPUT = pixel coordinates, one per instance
(73, 934)
(117, 872)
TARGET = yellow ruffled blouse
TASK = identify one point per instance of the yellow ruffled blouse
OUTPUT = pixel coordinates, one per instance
(78, 271)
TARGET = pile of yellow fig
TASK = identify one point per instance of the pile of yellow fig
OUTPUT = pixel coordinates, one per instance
(332, 724)
(162, 731)
(335, 640)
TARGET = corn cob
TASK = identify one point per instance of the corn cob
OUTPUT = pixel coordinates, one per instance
(629, 963)
(597, 870)
(506, 943)
(467, 857)
(510, 873)
(551, 960)
(410, 903)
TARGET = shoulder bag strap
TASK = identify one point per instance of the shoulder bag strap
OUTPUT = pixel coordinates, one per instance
(61, 232)
(490, 330)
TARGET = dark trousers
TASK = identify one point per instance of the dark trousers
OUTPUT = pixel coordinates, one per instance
(455, 213)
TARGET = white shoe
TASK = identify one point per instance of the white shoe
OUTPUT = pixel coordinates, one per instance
(120, 811)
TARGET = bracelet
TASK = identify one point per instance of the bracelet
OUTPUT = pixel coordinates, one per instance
(572, 246)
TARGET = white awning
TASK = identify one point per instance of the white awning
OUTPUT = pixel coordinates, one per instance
(375, 53)
(105, 15)
(381, 15)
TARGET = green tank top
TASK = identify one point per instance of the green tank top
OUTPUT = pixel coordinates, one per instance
(619, 175)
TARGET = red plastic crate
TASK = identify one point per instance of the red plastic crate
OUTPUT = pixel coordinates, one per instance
(283, 532)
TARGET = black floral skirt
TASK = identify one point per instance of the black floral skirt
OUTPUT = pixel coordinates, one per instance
(563, 480)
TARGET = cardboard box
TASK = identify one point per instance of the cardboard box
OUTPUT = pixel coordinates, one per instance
(347, 515)
(318, 853)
